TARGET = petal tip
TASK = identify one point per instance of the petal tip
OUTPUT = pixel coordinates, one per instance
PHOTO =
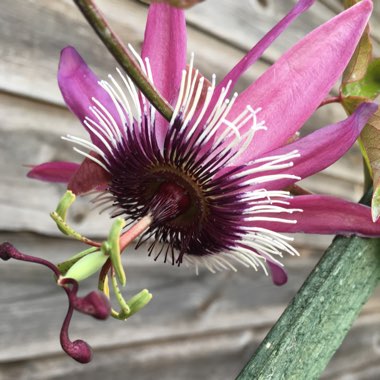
(279, 275)
(303, 5)
(363, 7)
(375, 217)
(366, 110)
(69, 62)
(366, 5)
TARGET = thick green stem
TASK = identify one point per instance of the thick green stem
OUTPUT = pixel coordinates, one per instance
(313, 326)
(123, 56)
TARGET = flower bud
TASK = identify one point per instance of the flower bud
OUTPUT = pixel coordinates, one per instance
(79, 350)
(95, 303)
(5, 249)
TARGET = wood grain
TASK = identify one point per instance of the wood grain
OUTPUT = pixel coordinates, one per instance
(202, 326)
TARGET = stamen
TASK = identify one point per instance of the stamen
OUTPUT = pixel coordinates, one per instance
(189, 78)
(100, 137)
(92, 158)
(267, 219)
(108, 119)
(118, 104)
(134, 95)
(210, 92)
(191, 92)
(122, 99)
(270, 178)
(104, 125)
(275, 163)
(179, 101)
(218, 105)
(190, 114)
(104, 132)
(85, 144)
(138, 58)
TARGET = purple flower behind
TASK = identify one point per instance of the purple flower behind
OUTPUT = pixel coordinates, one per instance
(208, 186)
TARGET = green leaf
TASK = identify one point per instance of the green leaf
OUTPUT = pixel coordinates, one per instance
(357, 67)
(368, 86)
(66, 265)
(138, 301)
(64, 204)
(114, 249)
(357, 88)
(370, 146)
(87, 266)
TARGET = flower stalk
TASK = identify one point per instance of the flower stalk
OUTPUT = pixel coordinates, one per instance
(123, 56)
(331, 100)
(316, 321)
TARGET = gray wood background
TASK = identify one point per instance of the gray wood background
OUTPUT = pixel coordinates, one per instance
(204, 326)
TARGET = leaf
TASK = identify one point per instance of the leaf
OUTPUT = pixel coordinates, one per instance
(86, 266)
(357, 67)
(368, 86)
(359, 62)
(370, 145)
(361, 82)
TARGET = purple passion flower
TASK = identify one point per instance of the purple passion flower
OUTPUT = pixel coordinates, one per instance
(208, 185)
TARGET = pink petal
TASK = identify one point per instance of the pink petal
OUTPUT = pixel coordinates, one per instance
(290, 90)
(257, 51)
(56, 171)
(79, 85)
(323, 214)
(89, 176)
(319, 149)
(165, 46)
(279, 275)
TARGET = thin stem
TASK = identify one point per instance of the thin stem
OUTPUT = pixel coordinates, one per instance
(123, 56)
(8, 251)
(333, 99)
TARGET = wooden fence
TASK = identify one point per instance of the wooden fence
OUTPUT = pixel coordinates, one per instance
(196, 327)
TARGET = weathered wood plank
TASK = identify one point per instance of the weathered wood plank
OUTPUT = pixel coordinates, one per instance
(196, 326)
(184, 304)
(177, 336)
(241, 23)
(239, 309)
(217, 356)
(30, 53)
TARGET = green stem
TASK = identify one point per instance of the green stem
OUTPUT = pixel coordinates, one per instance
(368, 181)
(334, 99)
(301, 343)
(123, 56)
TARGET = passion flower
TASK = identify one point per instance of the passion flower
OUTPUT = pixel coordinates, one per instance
(208, 186)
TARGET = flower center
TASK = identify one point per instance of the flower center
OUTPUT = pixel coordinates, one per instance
(174, 198)
(170, 201)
